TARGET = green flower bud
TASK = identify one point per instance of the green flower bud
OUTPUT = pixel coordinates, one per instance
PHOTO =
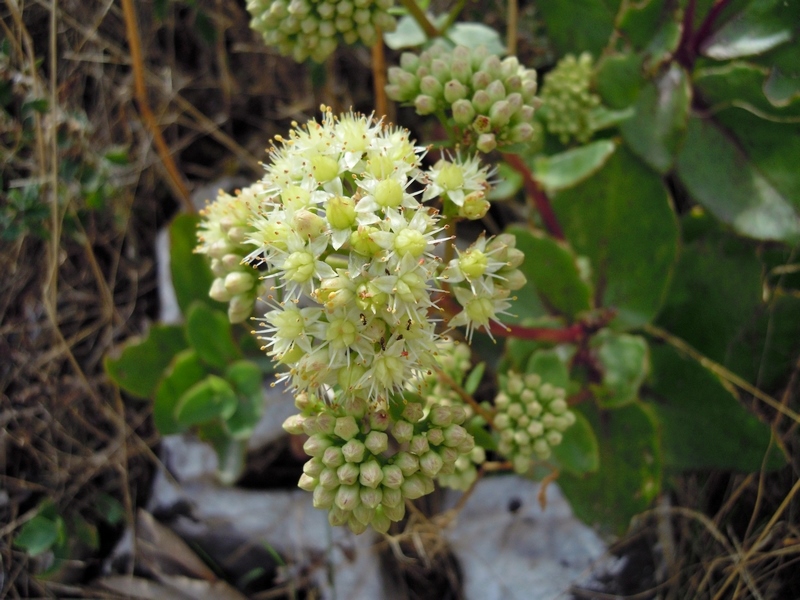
(333, 457)
(294, 424)
(553, 437)
(391, 496)
(486, 142)
(348, 473)
(323, 498)
(541, 448)
(431, 86)
(458, 412)
(338, 517)
(371, 497)
(371, 474)
(430, 463)
(394, 513)
(316, 444)
(364, 513)
(463, 112)
(413, 412)
(534, 409)
(496, 91)
(409, 61)
(535, 429)
(402, 431)
(379, 421)
(418, 445)
(454, 90)
(239, 282)
(413, 487)
(500, 113)
(324, 168)
(424, 105)
(467, 445)
(410, 241)
(407, 462)
(377, 442)
(380, 522)
(346, 427)
(328, 479)
(480, 80)
(521, 464)
(454, 435)
(356, 526)
(307, 483)
(313, 467)
(389, 193)
(353, 451)
(515, 258)
(218, 291)
(435, 436)
(482, 101)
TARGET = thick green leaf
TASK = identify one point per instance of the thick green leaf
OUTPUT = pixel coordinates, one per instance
(38, 535)
(579, 451)
(552, 268)
(761, 26)
(773, 149)
(409, 34)
(211, 398)
(720, 177)
(527, 305)
(662, 111)
(191, 274)
(550, 366)
(230, 452)
(209, 333)
(473, 35)
(741, 84)
(247, 380)
(474, 378)
(783, 84)
(638, 22)
(580, 25)
(715, 291)
(624, 361)
(702, 424)
(509, 182)
(663, 46)
(567, 169)
(621, 219)
(186, 370)
(142, 362)
(766, 349)
(629, 477)
(618, 79)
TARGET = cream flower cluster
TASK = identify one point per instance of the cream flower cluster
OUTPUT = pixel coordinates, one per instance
(531, 418)
(462, 184)
(223, 238)
(364, 465)
(482, 279)
(313, 28)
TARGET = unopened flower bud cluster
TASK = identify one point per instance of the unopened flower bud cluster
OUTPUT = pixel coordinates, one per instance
(567, 99)
(454, 359)
(313, 28)
(364, 465)
(531, 418)
(491, 100)
(223, 237)
(482, 278)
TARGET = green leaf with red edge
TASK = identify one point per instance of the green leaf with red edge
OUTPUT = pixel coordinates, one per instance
(759, 27)
(624, 361)
(579, 25)
(622, 220)
(720, 177)
(142, 361)
(579, 450)
(630, 471)
(702, 424)
(657, 129)
(185, 371)
(552, 268)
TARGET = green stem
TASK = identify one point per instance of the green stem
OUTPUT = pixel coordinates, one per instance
(453, 15)
(421, 18)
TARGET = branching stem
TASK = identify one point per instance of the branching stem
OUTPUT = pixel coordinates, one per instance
(421, 18)
(537, 195)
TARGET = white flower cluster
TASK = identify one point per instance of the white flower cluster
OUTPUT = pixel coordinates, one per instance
(222, 236)
(462, 182)
(364, 465)
(531, 418)
(313, 28)
(486, 274)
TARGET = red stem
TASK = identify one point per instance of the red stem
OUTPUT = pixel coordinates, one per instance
(536, 193)
(691, 40)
